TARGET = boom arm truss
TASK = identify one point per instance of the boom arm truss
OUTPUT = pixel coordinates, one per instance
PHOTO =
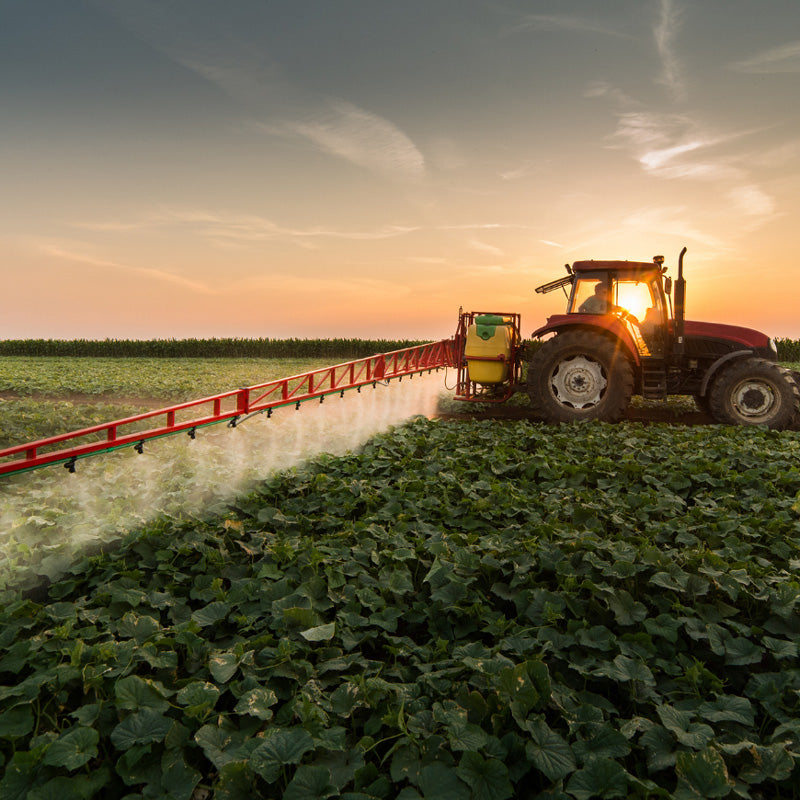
(231, 407)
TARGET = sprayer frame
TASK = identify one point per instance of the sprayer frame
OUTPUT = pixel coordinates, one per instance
(473, 392)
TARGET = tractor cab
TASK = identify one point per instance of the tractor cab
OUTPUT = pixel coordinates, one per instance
(632, 292)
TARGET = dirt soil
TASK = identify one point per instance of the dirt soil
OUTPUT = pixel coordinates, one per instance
(644, 415)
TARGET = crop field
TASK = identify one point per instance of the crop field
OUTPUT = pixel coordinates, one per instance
(449, 609)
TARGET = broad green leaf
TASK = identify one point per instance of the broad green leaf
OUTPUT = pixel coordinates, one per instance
(22, 774)
(701, 775)
(739, 651)
(691, 734)
(487, 778)
(236, 782)
(75, 787)
(284, 746)
(73, 749)
(310, 783)
(626, 669)
(626, 610)
(437, 781)
(597, 637)
(139, 627)
(257, 703)
(87, 715)
(398, 581)
(601, 778)
(781, 648)
(16, 722)
(406, 764)
(219, 744)
(198, 695)
(514, 686)
(772, 763)
(600, 740)
(300, 617)
(141, 727)
(134, 693)
(342, 765)
(211, 614)
(663, 625)
(178, 778)
(222, 665)
(548, 751)
(728, 707)
(320, 633)
(464, 735)
(660, 746)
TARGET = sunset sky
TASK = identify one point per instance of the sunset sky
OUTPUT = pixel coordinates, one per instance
(307, 168)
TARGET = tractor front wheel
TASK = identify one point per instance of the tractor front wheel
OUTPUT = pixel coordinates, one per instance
(579, 375)
(754, 391)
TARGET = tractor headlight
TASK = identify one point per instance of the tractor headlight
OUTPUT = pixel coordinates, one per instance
(773, 346)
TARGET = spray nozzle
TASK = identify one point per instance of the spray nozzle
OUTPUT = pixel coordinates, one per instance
(139, 446)
(70, 465)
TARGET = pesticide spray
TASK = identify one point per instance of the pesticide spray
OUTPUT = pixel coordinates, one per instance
(49, 517)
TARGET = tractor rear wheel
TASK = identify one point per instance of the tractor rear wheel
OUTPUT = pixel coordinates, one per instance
(579, 375)
(754, 391)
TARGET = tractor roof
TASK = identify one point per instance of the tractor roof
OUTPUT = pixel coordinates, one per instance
(616, 266)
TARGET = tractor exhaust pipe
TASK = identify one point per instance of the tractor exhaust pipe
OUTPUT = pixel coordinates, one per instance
(680, 306)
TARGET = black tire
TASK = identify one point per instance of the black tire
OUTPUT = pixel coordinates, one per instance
(702, 402)
(579, 375)
(754, 391)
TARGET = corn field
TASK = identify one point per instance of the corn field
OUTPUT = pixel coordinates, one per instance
(788, 349)
(203, 348)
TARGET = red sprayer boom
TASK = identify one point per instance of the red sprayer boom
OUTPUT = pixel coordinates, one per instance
(232, 407)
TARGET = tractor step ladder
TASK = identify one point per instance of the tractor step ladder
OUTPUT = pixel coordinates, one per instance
(654, 379)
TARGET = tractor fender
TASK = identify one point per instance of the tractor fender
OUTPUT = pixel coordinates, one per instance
(715, 367)
(603, 324)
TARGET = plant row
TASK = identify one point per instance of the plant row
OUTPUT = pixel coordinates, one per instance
(203, 348)
(788, 349)
(475, 611)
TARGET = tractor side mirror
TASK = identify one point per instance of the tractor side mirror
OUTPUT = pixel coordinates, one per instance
(668, 285)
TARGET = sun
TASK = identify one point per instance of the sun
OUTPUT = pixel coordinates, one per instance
(634, 296)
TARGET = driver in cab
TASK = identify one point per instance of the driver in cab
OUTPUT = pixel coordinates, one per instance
(600, 303)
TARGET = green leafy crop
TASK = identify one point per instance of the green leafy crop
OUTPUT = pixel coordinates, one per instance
(461, 610)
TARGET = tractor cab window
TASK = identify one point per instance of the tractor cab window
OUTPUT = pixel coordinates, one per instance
(638, 303)
(589, 296)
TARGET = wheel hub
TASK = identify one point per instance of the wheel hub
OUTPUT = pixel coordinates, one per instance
(753, 398)
(579, 382)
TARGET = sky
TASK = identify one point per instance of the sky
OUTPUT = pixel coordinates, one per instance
(363, 168)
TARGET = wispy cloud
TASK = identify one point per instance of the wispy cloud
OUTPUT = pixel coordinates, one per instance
(241, 70)
(563, 22)
(606, 90)
(665, 32)
(675, 221)
(360, 137)
(74, 255)
(241, 228)
(752, 201)
(674, 146)
(485, 247)
(785, 58)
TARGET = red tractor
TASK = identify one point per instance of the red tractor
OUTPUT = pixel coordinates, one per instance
(624, 334)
